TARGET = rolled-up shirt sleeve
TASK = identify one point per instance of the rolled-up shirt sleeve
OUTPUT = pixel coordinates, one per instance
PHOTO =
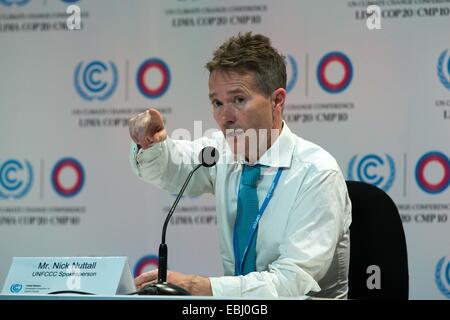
(318, 219)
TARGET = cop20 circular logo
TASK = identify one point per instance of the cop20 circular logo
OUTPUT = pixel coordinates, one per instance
(330, 78)
(443, 69)
(293, 77)
(433, 172)
(148, 262)
(68, 177)
(95, 80)
(442, 276)
(8, 3)
(16, 178)
(15, 288)
(153, 78)
(373, 169)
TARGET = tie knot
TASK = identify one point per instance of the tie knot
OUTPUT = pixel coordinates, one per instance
(250, 175)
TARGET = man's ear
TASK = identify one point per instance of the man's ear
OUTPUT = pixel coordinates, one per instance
(278, 98)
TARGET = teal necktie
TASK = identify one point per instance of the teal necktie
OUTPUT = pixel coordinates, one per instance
(247, 210)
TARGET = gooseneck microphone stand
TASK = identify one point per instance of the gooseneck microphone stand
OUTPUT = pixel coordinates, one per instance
(162, 287)
(208, 157)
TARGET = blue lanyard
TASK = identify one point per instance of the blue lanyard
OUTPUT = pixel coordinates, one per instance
(239, 262)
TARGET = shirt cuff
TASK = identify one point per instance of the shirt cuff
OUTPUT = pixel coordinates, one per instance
(149, 154)
(226, 286)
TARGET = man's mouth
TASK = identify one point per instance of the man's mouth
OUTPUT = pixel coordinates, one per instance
(233, 133)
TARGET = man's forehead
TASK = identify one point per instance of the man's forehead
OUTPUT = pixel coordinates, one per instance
(232, 89)
(231, 74)
(230, 81)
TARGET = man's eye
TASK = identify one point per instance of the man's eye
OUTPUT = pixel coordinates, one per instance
(216, 103)
(239, 100)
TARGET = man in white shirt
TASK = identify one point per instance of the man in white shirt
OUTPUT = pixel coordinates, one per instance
(283, 209)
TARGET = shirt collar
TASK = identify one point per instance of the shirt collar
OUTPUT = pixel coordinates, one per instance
(280, 153)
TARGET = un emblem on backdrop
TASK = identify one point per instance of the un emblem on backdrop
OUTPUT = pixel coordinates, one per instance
(95, 80)
(443, 69)
(331, 80)
(373, 169)
(68, 177)
(153, 78)
(16, 178)
(433, 172)
(9, 3)
(292, 69)
(442, 276)
(145, 263)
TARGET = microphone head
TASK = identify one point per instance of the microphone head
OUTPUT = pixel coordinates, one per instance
(209, 156)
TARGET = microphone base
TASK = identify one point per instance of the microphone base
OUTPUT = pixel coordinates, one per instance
(163, 289)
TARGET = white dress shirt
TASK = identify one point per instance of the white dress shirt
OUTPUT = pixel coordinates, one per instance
(303, 241)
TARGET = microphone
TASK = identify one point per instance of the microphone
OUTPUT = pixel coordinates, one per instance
(208, 157)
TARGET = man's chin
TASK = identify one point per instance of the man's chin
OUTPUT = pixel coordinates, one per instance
(236, 144)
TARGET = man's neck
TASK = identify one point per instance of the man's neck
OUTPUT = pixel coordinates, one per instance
(271, 139)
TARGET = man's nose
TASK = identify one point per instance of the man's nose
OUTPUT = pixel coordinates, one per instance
(228, 115)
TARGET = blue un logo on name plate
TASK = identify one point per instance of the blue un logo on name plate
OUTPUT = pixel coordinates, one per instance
(16, 288)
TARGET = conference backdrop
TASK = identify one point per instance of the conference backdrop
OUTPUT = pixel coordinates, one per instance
(373, 92)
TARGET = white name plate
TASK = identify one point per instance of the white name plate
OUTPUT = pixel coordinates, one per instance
(94, 275)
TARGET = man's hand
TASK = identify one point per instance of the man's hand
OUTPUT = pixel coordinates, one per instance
(196, 285)
(147, 128)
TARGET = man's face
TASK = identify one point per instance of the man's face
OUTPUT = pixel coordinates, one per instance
(242, 112)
